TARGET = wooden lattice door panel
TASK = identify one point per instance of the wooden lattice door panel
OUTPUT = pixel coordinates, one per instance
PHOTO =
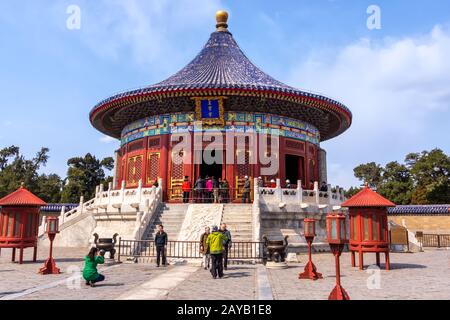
(134, 173)
(239, 183)
(242, 170)
(176, 192)
(153, 165)
(177, 178)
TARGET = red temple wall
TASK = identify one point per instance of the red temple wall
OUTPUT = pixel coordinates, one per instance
(149, 158)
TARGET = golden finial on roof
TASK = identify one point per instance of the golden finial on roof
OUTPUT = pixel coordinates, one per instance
(222, 21)
(22, 185)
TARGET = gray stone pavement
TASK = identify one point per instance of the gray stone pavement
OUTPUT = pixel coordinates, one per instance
(238, 283)
(413, 276)
(17, 279)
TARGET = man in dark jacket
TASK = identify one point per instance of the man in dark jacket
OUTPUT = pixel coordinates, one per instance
(247, 189)
(161, 245)
(226, 244)
(199, 190)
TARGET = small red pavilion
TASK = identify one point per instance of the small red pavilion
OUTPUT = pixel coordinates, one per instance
(19, 222)
(368, 225)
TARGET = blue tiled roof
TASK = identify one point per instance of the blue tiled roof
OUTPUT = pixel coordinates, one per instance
(221, 65)
(56, 207)
(422, 209)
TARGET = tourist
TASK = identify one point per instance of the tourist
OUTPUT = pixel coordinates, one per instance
(209, 189)
(324, 187)
(226, 244)
(186, 187)
(288, 184)
(220, 190)
(260, 182)
(161, 245)
(90, 273)
(246, 191)
(215, 185)
(199, 189)
(273, 184)
(156, 184)
(204, 249)
(224, 189)
(215, 244)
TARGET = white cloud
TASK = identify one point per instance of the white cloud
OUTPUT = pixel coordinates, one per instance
(107, 139)
(398, 91)
(148, 32)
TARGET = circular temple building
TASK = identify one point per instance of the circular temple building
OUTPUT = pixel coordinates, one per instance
(223, 94)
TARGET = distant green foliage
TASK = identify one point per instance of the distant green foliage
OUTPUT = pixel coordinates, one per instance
(15, 169)
(83, 175)
(423, 179)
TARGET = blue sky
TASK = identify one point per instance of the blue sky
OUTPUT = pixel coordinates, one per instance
(395, 80)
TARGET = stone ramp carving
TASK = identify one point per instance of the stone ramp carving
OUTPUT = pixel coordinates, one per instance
(199, 216)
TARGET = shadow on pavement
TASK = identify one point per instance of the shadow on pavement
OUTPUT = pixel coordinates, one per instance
(109, 285)
(399, 266)
(237, 275)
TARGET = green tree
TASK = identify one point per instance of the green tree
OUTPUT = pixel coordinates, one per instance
(396, 183)
(49, 188)
(15, 169)
(423, 179)
(83, 175)
(370, 173)
(351, 192)
(430, 173)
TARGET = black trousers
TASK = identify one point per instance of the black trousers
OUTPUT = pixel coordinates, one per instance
(186, 197)
(160, 251)
(217, 266)
(225, 256)
(245, 197)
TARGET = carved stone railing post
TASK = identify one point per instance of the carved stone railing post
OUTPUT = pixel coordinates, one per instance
(330, 194)
(63, 213)
(279, 191)
(139, 191)
(81, 204)
(256, 190)
(316, 192)
(299, 192)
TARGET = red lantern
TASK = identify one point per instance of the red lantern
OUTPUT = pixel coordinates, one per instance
(337, 238)
(310, 272)
(52, 229)
(368, 226)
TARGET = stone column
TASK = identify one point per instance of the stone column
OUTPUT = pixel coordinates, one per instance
(115, 169)
(322, 159)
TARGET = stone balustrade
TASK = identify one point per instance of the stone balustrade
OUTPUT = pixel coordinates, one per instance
(332, 197)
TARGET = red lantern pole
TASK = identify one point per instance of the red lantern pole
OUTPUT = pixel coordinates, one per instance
(310, 269)
(338, 292)
(50, 265)
(337, 237)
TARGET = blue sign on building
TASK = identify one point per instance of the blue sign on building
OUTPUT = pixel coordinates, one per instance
(210, 109)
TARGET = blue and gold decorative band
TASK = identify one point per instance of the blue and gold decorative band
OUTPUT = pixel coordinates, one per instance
(234, 122)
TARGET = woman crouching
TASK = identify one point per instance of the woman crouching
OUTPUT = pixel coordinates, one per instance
(90, 273)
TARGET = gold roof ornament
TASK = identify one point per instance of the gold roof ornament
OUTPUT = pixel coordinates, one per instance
(222, 21)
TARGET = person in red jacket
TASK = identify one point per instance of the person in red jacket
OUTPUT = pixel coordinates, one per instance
(186, 187)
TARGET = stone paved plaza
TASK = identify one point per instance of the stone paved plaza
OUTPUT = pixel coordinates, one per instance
(413, 276)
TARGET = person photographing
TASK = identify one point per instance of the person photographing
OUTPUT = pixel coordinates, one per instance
(90, 273)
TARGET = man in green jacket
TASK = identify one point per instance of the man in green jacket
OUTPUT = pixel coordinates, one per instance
(215, 243)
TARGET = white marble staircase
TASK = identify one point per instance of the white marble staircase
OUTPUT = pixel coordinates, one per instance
(171, 216)
(238, 218)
